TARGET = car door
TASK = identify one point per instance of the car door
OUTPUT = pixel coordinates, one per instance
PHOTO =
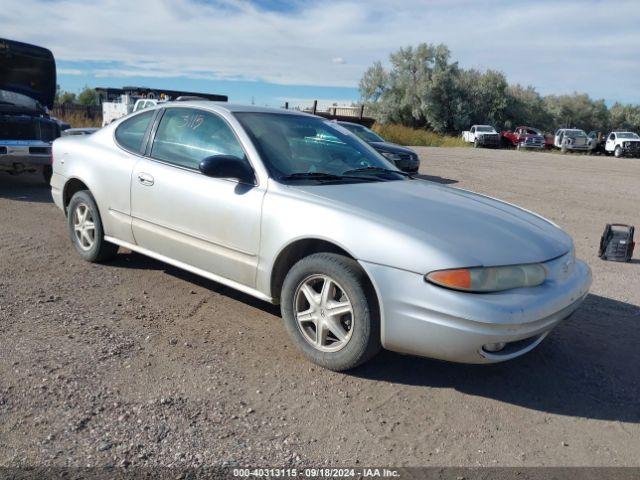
(113, 172)
(201, 222)
(610, 144)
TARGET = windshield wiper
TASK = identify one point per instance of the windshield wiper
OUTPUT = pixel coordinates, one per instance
(323, 176)
(378, 170)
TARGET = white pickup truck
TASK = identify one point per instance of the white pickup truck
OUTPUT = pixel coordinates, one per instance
(623, 144)
(482, 136)
(113, 110)
(573, 139)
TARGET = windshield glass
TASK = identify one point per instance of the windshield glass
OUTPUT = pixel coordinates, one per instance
(575, 133)
(296, 147)
(484, 128)
(363, 132)
(628, 135)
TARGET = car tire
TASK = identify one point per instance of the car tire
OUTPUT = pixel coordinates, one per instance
(47, 173)
(85, 229)
(617, 152)
(348, 339)
(476, 143)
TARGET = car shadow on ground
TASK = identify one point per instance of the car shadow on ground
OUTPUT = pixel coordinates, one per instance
(133, 260)
(436, 179)
(26, 187)
(587, 367)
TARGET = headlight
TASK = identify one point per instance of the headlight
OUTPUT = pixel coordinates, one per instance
(394, 157)
(489, 279)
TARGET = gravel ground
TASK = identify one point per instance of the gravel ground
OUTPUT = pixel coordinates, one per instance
(137, 363)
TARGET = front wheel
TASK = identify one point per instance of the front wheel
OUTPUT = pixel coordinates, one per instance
(617, 152)
(476, 143)
(330, 312)
(85, 229)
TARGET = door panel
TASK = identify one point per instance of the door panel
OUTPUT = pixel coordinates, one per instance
(209, 223)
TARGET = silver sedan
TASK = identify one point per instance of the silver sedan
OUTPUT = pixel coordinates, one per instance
(296, 210)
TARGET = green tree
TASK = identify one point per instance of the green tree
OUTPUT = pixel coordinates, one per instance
(88, 96)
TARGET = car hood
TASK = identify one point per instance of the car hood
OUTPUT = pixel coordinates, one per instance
(28, 70)
(390, 147)
(465, 228)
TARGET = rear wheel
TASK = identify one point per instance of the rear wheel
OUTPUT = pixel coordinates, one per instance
(85, 229)
(330, 312)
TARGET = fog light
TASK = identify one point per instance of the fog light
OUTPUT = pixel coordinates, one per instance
(494, 347)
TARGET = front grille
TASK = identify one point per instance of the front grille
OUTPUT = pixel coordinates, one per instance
(490, 139)
(40, 150)
(633, 147)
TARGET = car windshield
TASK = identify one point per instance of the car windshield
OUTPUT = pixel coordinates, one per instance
(630, 135)
(298, 148)
(575, 133)
(484, 128)
(363, 132)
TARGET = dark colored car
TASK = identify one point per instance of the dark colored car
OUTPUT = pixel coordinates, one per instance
(402, 157)
(524, 137)
(27, 88)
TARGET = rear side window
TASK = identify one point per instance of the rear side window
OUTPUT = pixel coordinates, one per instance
(130, 133)
(186, 136)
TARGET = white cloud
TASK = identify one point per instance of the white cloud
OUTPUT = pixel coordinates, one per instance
(556, 46)
(70, 71)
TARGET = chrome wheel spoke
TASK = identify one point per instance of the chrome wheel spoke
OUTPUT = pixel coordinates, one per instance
(306, 316)
(321, 334)
(310, 294)
(336, 328)
(336, 309)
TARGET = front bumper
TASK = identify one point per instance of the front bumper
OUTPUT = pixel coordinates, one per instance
(632, 150)
(422, 319)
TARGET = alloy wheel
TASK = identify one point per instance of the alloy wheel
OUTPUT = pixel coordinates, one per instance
(84, 226)
(324, 313)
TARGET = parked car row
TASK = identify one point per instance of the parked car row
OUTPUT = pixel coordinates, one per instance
(617, 143)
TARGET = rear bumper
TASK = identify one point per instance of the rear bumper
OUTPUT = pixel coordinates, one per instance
(17, 158)
(422, 319)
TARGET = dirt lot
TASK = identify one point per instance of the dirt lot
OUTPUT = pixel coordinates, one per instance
(137, 363)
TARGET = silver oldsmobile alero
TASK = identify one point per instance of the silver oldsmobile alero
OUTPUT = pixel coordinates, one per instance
(294, 209)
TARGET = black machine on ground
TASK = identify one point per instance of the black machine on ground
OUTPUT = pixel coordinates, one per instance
(617, 242)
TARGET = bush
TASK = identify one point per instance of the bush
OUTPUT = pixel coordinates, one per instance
(417, 137)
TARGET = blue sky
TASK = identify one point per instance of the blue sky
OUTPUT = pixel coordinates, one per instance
(299, 50)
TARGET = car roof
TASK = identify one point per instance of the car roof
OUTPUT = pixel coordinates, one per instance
(233, 107)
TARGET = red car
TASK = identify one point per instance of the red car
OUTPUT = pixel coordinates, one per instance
(526, 137)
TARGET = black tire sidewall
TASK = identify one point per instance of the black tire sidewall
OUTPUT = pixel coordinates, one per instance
(365, 338)
(95, 253)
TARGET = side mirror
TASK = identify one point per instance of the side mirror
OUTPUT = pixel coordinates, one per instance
(227, 166)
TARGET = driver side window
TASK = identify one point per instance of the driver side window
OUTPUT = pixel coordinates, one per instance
(186, 136)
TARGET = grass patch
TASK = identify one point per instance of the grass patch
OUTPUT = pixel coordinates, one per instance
(417, 137)
(80, 119)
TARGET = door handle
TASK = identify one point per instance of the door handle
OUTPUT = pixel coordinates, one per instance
(145, 179)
